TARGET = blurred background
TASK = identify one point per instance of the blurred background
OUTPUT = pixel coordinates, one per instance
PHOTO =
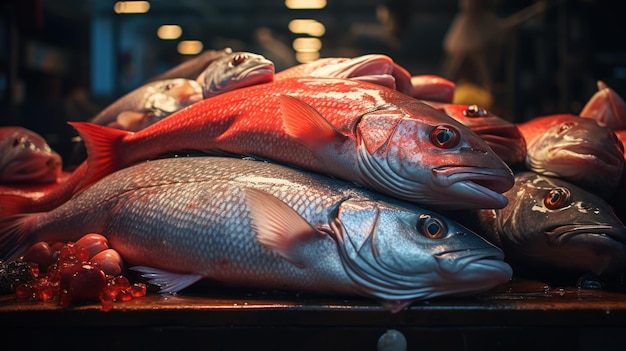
(64, 60)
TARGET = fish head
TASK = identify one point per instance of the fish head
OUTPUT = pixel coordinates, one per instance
(426, 157)
(580, 151)
(400, 252)
(607, 107)
(373, 68)
(502, 136)
(165, 97)
(26, 157)
(553, 225)
(234, 71)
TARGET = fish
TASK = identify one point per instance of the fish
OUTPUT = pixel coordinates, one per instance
(27, 158)
(607, 107)
(576, 149)
(352, 130)
(191, 68)
(432, 87)
(552, 228)
(502, 136)
(257, 224)
(233, 71)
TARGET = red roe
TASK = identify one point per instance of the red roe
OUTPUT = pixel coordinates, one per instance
(73, 277)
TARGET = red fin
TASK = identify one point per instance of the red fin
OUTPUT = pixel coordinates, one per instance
(101, 144)
(14, 236)
(278, 226)
(303, 122)
(14, 204)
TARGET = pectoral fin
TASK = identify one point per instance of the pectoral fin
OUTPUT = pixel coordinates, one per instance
(279, 227)
(169, 282)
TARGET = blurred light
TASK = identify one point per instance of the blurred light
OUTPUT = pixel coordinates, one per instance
(307, 26)
(307, 56)
(305, 4)
(307, 44)
(169, 31)
(131, 7)
(190, 47)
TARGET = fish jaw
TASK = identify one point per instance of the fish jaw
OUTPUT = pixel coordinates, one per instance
(26, 157)
(475, 185)
(599, 248)
(236, 71)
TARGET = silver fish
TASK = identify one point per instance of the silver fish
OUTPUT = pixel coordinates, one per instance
(26, 157)
(233, 71)
(263, 225)
(553, 228)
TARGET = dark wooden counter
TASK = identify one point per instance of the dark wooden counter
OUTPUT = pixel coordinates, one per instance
(519, 315)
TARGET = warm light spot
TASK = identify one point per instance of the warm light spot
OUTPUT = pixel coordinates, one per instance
(307, 56)
(305, 4)
(169, 31)
(131, 7)
(307, 44)
(307, 26)
(190, 47)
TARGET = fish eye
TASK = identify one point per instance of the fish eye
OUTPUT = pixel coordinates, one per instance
(556, 198)
(474, 111)
(565, 126)
(445, 137)
(431, 227)
(170, 86)
(238, 59)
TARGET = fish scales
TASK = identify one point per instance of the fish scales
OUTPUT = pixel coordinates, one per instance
(197, 217)
(326, 126)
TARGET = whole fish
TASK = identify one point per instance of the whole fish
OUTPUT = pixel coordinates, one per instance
(554, 228)
(502, 136)
(258, 224)
(352, 130)
(26, 157)
(234, 71)
(576, 149)
(606, 107)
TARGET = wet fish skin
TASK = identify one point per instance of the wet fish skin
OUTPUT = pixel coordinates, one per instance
(501, 135)
(607, 107)
(233, 71)
(352, 130)
(576, 149)
(553, 228)
(258, 224)
(26, 157)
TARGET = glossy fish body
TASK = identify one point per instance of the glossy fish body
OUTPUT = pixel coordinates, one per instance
(553, 227)
(233, 71)
(258, 224)
(501, 135)
(576, 149)
(352, 130)
(26, 157)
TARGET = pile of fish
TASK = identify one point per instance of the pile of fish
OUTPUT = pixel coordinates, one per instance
(340, 176)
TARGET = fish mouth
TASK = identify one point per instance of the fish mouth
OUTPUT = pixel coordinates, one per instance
(603, 234)
(475, 263)
(33, 168)
(261, 72)
(601, 157)
(375, 69)
(482, 185)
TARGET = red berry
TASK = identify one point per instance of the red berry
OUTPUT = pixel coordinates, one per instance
(41, 254)
(94, 243)
(87, 283)
(109, 261)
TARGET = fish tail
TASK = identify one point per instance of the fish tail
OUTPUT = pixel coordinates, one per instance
(14, 204)
(15, 236)
(102, 156)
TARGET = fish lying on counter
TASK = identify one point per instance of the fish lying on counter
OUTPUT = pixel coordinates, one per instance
(259, 224)
(553, 230)
(502, 136)
(26, 157)
(352, 130)
(576, 149)
(233, 71)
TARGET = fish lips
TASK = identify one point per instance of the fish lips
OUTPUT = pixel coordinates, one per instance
(475, 262)
(603, 159)
(480, 185)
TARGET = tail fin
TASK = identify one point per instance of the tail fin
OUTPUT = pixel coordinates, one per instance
(14, 236)
(14, 204)
(103, 157)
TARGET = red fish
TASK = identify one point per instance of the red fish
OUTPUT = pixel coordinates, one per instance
(501, 135)
(576, 149)
(432, 88)
(606, 107)
(26, 157)
(351, 130)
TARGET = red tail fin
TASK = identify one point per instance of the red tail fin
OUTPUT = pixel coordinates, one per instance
(14, 204)
(14, 236)
(102, 151)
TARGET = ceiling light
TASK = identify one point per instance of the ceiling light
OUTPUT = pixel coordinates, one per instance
(304, 57)
(190, 47)
(169, 31)
(305, 4)
(131, 7)
(307, 44)
(307, 26)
